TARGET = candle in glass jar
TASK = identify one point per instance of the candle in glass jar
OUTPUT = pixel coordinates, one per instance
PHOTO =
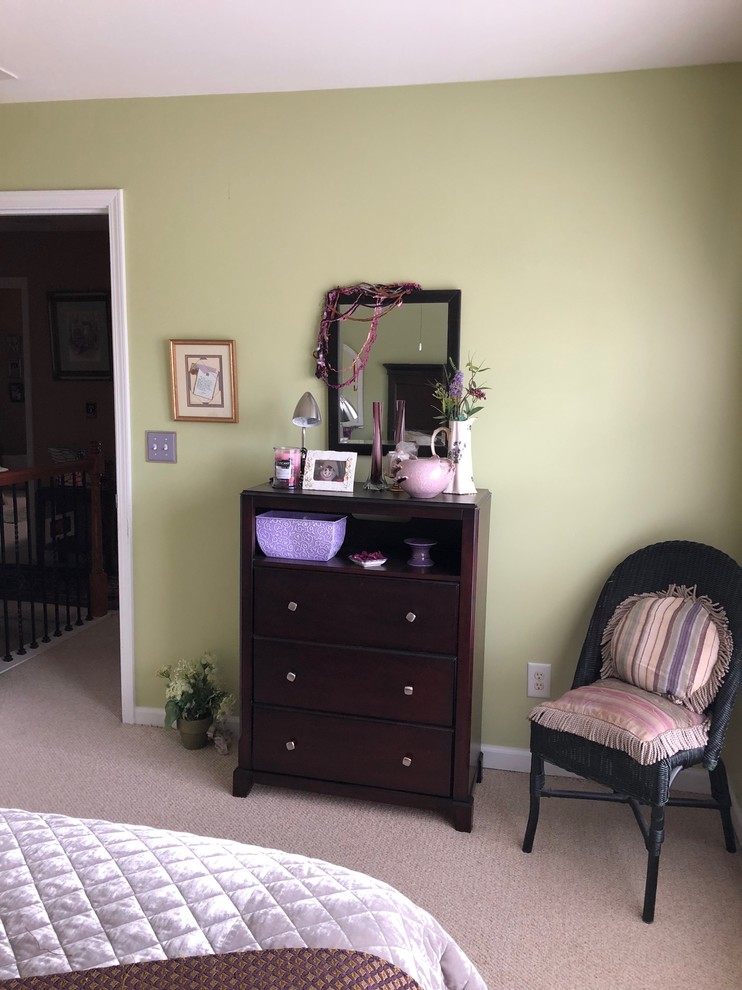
(286, 467)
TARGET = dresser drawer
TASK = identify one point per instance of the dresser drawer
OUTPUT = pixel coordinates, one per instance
(375, 683)
(370, 610)
(353, 751)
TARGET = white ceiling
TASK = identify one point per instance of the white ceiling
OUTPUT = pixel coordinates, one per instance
(102, 49)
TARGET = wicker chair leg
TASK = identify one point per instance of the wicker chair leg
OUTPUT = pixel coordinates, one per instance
(720, 794)
(537, 785)
(655, 837)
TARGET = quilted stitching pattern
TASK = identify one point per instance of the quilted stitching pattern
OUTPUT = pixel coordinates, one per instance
(77, 894)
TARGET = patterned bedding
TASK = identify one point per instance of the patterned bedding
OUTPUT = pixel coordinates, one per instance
(259, 969)
(77, 894)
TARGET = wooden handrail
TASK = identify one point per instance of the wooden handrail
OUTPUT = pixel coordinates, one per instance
(21, 475)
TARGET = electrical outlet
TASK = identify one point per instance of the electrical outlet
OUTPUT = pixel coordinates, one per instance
(539, 680)
(161, 447)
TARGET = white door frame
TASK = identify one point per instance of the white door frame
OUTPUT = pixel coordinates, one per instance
(110, 203)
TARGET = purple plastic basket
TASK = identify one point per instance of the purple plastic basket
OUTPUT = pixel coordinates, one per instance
(300, 535)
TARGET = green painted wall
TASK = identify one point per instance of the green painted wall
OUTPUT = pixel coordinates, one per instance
(594, 226)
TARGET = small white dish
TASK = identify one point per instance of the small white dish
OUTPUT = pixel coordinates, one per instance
(367, 563)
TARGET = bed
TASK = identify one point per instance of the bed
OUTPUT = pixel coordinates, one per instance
(84, 895)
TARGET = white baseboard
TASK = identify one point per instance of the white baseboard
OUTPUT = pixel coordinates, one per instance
(156, 716)
(149, 716)
(694, 780)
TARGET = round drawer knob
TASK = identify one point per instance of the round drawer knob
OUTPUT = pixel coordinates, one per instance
(408, 689)
(290, 745)
(406, 761)
(410, 617)
(293, 606)
(291, 676)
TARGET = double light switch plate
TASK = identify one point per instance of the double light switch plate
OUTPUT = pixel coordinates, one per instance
(161, 447)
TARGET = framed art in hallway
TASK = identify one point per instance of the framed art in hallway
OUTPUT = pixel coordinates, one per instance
(80, 326)
(204, 380)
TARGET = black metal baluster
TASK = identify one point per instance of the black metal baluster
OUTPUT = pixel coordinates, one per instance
(65, 543)
(33, 644)
(40, 517)
(21, 650)
(3, 561)
(54, 554)
(78, 512)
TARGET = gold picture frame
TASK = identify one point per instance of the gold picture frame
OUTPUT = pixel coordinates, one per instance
(204, 381)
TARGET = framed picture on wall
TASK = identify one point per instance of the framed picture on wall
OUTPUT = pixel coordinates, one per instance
(204, 380)
(80, 325)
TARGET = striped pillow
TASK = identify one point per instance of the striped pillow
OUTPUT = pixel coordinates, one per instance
(621, 716)
(670, 643)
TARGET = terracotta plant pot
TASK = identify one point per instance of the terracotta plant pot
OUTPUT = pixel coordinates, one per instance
(193, 731)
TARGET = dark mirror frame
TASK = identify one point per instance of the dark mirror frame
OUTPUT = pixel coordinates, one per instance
(452, 297)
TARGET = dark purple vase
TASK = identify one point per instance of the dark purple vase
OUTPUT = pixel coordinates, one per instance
(376, 476)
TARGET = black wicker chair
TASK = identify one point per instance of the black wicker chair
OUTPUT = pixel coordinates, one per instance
(650, 569)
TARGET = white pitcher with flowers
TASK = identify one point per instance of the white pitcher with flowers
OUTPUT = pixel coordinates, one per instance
(458, 401)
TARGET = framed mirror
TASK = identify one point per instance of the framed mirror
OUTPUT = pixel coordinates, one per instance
(413, 345)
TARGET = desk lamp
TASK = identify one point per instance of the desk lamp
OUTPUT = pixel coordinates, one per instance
(306, 414)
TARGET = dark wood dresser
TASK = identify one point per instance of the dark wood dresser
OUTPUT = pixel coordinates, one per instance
(366, 682)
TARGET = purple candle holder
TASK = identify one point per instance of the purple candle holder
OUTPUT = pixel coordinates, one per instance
(420, 545)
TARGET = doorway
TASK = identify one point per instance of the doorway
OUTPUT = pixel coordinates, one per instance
(107, 203)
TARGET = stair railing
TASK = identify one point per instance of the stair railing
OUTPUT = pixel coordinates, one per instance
(51, 551)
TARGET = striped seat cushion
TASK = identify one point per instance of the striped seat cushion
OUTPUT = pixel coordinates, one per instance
(672, 643)
(621, 716)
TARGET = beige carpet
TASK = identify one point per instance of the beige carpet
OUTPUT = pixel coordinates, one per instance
(54, 627)
(565, 917)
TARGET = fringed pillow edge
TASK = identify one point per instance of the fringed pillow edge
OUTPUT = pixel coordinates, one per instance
(700, 700)
(606, 734)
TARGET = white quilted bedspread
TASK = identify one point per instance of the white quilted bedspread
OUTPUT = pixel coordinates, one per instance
(78, 893)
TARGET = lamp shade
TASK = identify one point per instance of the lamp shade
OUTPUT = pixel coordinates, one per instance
(307, 411)
(348, 413)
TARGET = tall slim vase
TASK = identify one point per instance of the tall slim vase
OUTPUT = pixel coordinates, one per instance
(399, 422)
(459, 451)
(375, 480)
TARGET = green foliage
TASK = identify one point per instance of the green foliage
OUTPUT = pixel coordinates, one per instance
(192, 691)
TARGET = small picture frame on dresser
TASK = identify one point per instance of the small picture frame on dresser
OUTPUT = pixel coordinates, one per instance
(329, 471)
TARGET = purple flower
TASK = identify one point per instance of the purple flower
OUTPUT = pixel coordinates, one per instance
(456, 385)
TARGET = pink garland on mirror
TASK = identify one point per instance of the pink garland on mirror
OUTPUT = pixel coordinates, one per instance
(385, 298)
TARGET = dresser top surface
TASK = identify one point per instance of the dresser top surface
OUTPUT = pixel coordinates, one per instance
(361, 498)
